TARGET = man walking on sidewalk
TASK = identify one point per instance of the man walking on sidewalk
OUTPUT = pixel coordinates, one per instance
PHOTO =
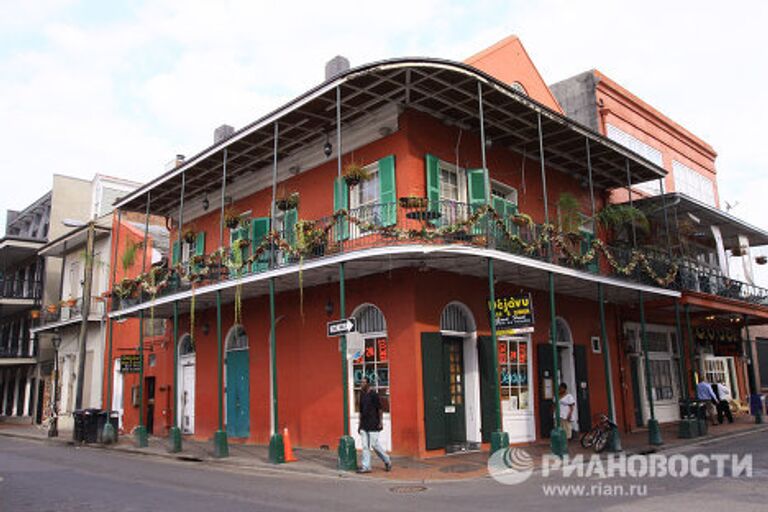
(370, 426)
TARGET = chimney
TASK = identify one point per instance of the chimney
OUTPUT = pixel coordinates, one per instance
(222, 132)
(336, 66)
(174, 163)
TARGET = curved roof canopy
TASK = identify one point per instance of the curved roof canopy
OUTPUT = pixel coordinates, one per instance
(444, 89)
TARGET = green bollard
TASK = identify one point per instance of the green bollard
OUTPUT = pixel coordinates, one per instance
(654, 433)
(276, 449)
(347, 454)
(558, 443)
(174, 440)
(220, 446)
(140, 437)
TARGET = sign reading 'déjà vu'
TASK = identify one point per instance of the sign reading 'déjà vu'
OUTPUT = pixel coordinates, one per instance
(130, 363)
(513, 314)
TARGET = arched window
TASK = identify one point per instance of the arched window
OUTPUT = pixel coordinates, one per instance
(374, 363)
(457, 318)
(237, 338)
(562, 331)
(186, 346)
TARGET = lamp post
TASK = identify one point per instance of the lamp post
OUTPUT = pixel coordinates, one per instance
(53, 427)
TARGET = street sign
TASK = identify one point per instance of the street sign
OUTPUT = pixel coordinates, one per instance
(130, 363)
(341, 327)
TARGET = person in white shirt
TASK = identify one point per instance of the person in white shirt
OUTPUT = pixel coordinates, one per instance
(723, 407)
(567, 407)
(705, 394)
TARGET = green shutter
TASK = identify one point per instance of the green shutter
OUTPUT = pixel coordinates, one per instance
(432, 380)
(586, 245)
(341, 202)
(387, 191)
(238, 256)
(489, 387)
(200, 244)
(175, 253)
(289, 228)
(476, 192)
(433, 182)
(259, 232)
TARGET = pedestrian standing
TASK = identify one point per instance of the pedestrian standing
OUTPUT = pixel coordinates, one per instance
(567, 406)
(370, 426)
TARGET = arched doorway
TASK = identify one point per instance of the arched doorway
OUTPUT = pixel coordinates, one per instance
(186, 396)
(461, 374)
(374, 364)
(238, 383)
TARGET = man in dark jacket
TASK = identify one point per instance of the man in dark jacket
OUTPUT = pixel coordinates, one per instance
(370, 427)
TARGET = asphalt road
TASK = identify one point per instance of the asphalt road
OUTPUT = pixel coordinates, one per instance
(40, 477)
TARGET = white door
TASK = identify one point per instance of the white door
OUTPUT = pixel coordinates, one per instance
(188, 398)
(117, 392)
(516, 390)
(718, 369)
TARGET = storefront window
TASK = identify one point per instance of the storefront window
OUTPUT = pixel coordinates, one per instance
(374, 364)
(513, 373)
(661, 379)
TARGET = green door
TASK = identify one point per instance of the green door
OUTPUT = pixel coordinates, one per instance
(238, 394)
(453, 390)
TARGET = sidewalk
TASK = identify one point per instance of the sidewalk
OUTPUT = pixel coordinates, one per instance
(322, 463)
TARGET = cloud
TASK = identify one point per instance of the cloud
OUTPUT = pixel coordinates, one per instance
(87, 88)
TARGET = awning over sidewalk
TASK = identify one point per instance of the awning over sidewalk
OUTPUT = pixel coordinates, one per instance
(444, 89)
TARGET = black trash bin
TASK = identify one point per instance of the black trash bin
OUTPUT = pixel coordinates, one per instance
(701, 416)
(101, 419)
(78, 432)
(90, 423)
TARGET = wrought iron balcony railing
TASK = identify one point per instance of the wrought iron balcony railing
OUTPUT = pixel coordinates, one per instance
(15, 288)
(427, 222)
(71, 311)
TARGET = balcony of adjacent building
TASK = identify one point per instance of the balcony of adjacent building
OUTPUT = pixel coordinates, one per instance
(17, 348)
(19, 291)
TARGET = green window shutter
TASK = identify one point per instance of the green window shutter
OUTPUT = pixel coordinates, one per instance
(586, 245)
(476, 187)
(175, 253)
(433, 182)
(341, 202)
(200, 244)
(387, 191)
(489, 387)
(289, 226)
(260, 231)
(434, 393)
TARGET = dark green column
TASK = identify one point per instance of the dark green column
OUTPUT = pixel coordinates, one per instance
(140, 434)
(220, 446)
(691, 349)
(499, 438)
(558, 443)
(751, 373)
(614, 443)
(276, 447)
(654, 432)
(688, 426)
(347, 452)
(174, 436)
(109, 435)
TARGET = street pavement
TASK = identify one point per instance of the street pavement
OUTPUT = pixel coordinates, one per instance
(41, 477)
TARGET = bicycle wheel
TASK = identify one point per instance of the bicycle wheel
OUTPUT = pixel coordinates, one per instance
(601, 441)
(588, 438)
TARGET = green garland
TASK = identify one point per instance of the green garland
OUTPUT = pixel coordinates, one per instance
(309, 237)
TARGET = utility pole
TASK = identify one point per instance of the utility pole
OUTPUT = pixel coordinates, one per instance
(84, 312)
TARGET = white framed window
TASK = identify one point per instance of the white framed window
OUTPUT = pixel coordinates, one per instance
(643, 149)
(453, 182)
(663, 358)
(504, 191)
(693, 183)
(364, 200)
(514, 373)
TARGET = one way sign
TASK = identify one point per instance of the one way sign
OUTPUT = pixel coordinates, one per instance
(341, 327)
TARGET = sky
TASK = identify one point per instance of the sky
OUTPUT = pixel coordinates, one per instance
(121, 87)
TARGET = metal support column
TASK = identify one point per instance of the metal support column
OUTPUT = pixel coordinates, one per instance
(499, 438)
(558, 441)
(141, 430)
(347, 452)
(752, 375)
(688, 425)
(614, 442)
(108, 434)
(174, 436)
(220, 444)
(276, 446)
(654, 433)
(691, 348)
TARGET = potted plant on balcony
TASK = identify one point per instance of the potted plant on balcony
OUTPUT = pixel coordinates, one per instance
(761, 260)
(34, 314)
(521, 219)
(738, 250)
(231, 218)
(52, 308)
(287, 202)
(129, 255)
(70, 302)
(414, 202)
(618, 219)
(190, 235)
(354, 173)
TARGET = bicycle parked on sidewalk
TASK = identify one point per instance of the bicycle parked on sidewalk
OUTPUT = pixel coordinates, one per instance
(597, 438)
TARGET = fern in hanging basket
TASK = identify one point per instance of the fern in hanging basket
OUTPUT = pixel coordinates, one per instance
(289, 202)
(414, 202)
(231, 219)
(522, 219)
(355, 173)
(190, 236)
(761, 260)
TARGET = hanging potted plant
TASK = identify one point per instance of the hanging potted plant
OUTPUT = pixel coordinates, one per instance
(231, 219)
(521, 219)
(287, 202)
(738, 251)
(414, 202)
(354, 173)
(52, 308)
(70, 302)
(761, 260)
(34, 314)
(189, 235)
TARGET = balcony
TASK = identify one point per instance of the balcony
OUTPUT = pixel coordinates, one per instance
(416, 222)
(15, 350)
(68, 313)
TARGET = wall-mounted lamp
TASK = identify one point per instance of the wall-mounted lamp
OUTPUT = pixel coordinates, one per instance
(206, 328)
(327, 148)
(206, 202)
(294, 169)
(329, 308)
